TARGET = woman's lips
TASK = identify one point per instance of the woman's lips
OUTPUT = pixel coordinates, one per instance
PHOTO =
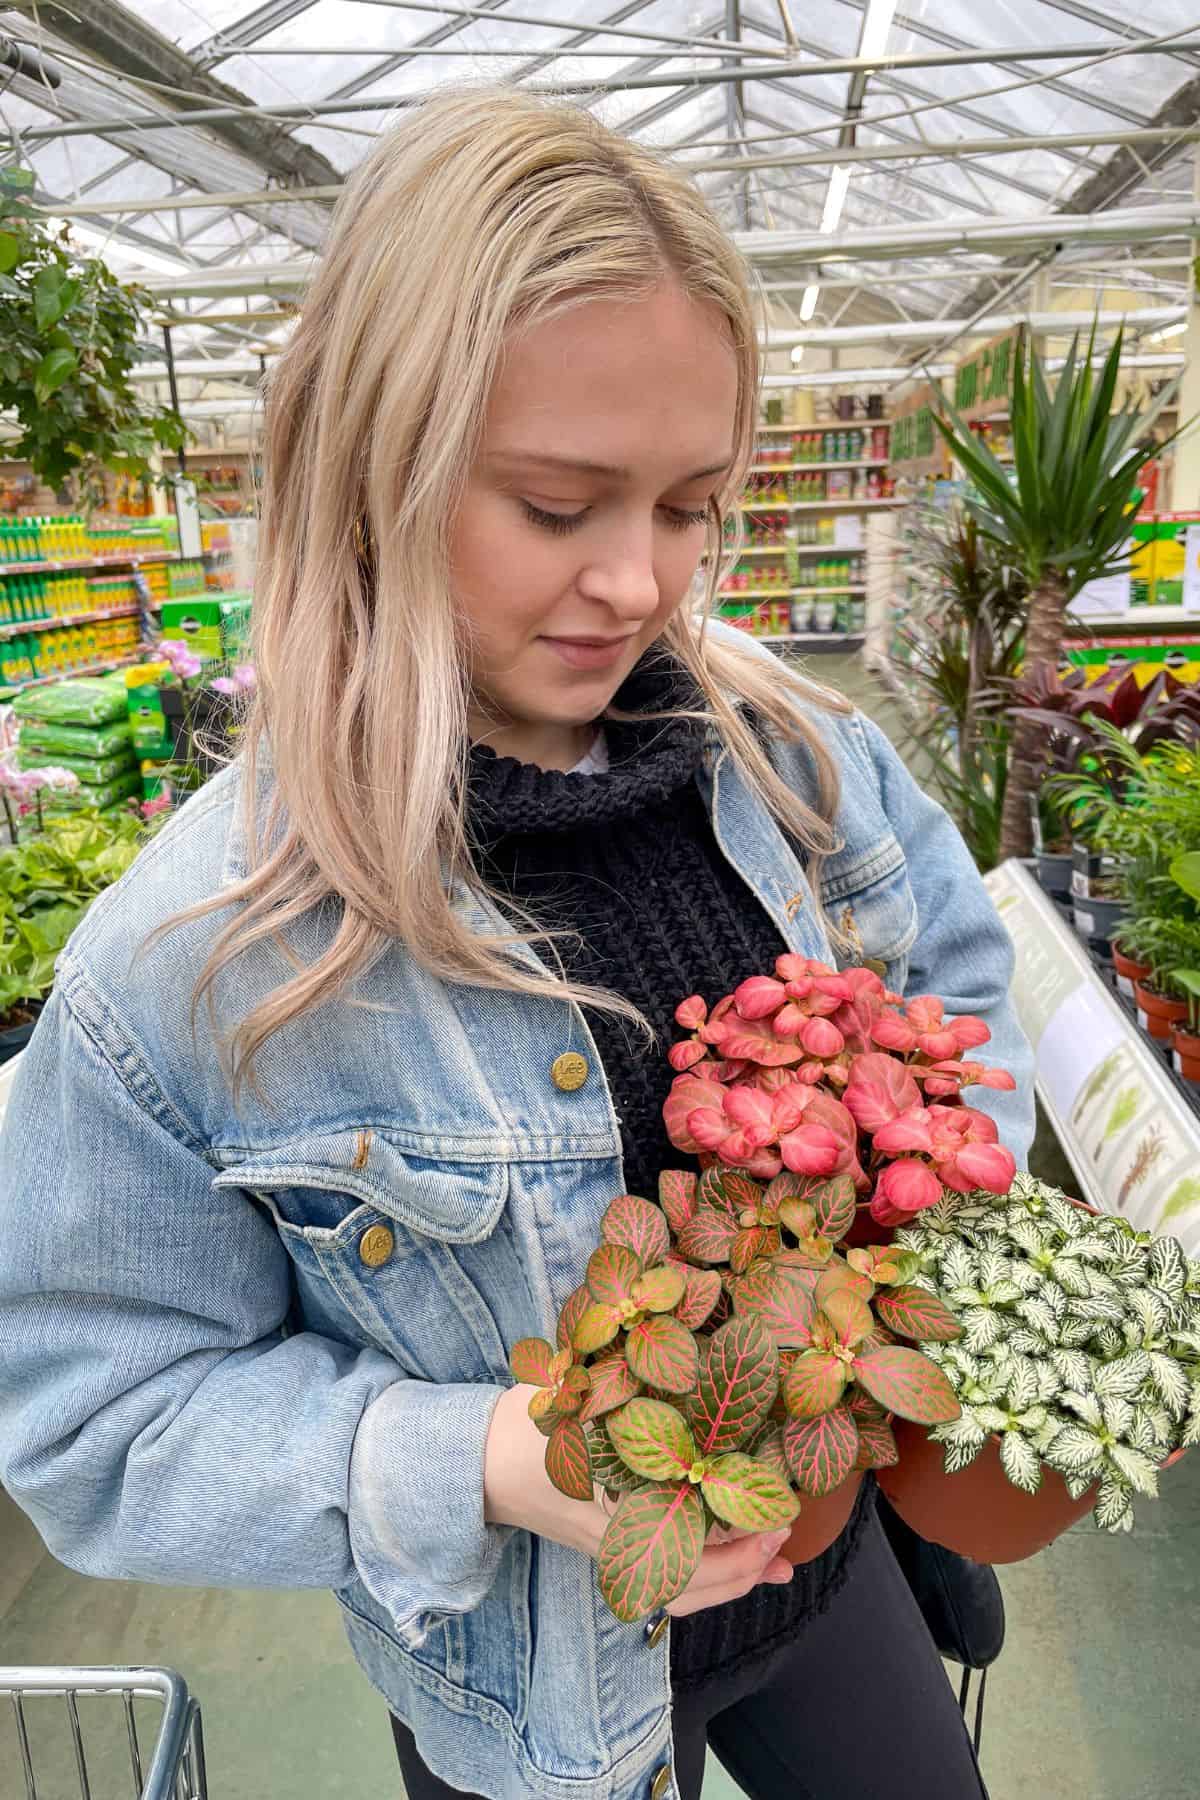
(588, 653)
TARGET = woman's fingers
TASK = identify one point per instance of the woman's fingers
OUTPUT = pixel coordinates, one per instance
(728, 1571)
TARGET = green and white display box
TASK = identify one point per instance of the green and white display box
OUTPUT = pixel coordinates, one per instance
(1130, 1136)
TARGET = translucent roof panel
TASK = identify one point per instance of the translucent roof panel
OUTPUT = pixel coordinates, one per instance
(644, 68)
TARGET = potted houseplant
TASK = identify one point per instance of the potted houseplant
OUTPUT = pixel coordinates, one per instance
(734, 1354)
(48, 879)
(1062, 514)
(1078, 1370)
(1185, 1049)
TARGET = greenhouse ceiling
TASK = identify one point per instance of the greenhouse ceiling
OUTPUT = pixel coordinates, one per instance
(878, 165)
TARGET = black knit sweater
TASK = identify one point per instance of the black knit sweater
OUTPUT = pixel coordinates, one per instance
(627, 861)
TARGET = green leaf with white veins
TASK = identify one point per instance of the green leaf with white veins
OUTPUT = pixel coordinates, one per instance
(1113, 1510)
(1170, 1383)
(1021, 1462)
(1122, 1377)
(1166, 1267)
(1076, 1451)
(1136, 1468)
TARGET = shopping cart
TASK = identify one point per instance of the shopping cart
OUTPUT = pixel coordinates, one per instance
(46, 1713)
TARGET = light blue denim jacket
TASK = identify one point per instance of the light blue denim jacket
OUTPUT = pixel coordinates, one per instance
(202, 1380)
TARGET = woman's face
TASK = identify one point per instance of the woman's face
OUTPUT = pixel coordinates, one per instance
(608, 432)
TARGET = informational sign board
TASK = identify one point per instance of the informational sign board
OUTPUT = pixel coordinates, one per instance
(916, 447)
(1131, 1138)
(983, 382)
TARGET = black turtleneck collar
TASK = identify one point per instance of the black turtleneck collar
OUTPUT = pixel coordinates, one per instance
(649, 760)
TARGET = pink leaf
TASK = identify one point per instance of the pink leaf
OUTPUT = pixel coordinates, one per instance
(688, 1094)
(758, 997)
(691, 1013)
(937, 1044)
(925, 1013)
(988, 1166)
(1000, 1079)
(969, 1032)
(880, 1088)
(810, 1150)
(821, 1038)
(707, 1128)
(892, 1033)
(687, 1054)
(907, 1187)
(911, 1130)
(754, 1111)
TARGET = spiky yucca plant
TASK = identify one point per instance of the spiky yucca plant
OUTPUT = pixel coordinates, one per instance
(1065, 519)
(1080, 1346)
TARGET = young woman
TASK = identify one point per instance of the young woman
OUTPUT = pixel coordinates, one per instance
(283, 1182)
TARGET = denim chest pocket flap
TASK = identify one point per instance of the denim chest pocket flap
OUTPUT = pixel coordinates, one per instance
(455, 1202)
(868, 897)
(412, 1254)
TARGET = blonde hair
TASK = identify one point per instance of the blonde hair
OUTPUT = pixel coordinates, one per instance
(485, 210)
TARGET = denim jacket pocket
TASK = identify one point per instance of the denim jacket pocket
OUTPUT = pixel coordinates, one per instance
(869, 900)
(411, 1254)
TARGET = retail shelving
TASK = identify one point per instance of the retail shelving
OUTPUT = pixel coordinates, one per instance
(816, 640)
(808, 593)
(137, 558)
(19, 627)
(815, 468)
(96, 668)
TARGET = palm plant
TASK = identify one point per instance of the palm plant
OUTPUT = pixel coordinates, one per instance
(960, 657)
(1064, 519)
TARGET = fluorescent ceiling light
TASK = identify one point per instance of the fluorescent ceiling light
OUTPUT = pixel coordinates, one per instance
(1168, 331)
(835, 199)
(808, 305)
(876, 26)
(797, 355)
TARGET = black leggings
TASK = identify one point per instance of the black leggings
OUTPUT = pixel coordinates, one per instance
(858, 1708)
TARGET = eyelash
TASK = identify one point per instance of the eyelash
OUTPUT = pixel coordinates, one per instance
(679, 518)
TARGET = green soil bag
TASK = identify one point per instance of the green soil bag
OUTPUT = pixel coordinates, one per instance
(94, 772)
(106, 794)
(99, 741)
(94, 700)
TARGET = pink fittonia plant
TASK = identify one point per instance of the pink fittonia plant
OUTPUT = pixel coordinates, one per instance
(825, 1072)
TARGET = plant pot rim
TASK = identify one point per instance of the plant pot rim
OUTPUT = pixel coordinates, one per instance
(1134, 962)
(1163, 1004)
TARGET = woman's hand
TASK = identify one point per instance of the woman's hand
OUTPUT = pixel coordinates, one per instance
(517, 1491)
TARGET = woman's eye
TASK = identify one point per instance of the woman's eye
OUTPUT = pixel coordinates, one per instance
(684, 518)
(561, 524)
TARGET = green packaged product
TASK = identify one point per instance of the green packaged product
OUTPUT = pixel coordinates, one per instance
(91, 700)
(94, 772)
(101, 742)
(104, 795)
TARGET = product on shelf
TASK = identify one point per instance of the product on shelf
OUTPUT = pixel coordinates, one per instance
(213, 629)
(55, 742)
(96, 700)
(151, 737)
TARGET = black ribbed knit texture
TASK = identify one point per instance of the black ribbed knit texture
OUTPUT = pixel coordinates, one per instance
(628, 861)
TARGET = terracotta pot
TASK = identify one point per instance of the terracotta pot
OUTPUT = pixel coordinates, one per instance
(977, 1512)
(1157, 1014)
(822, 1521)
(1128, 970)
(1186, 1054)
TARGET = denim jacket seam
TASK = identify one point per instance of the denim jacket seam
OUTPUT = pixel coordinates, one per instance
(131, 1069)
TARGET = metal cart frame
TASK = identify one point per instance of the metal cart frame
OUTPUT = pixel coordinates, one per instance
(175, 1769)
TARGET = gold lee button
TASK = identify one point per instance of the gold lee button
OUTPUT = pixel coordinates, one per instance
(375, 1246)
(657, 1631)
(569, 1071)
(661, 1782)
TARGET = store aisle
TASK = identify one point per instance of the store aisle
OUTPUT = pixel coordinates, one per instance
(1092, 1700)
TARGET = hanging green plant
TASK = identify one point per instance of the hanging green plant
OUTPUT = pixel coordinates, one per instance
(69, 333)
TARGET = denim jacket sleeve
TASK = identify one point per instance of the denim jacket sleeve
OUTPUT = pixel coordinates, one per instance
(156, 1420)
(962, 952)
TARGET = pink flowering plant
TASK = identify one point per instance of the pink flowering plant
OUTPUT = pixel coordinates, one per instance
(825, 1072)
(739, 1350)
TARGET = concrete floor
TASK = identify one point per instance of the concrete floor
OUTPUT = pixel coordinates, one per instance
(1093, 1699)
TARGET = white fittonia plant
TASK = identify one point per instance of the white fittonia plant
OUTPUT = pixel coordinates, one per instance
(1081, 1341)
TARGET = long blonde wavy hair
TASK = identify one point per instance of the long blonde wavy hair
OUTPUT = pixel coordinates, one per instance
(484, 211)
